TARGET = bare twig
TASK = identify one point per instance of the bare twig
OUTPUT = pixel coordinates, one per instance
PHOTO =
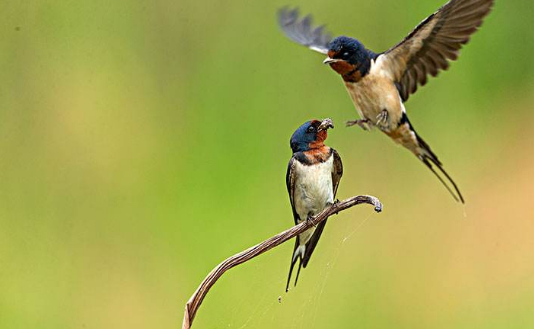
(194, 302)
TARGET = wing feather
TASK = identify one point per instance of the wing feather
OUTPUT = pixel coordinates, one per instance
(435, 41)
(337, 171)
(290, 183)
(302, 31)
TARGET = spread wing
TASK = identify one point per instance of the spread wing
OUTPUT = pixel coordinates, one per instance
(434, 42)
(290, 183)
(301, 30)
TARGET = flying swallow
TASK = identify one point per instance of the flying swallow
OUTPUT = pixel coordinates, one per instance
(313, 175)
(379, 84)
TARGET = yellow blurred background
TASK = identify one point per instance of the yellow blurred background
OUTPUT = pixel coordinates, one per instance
(144, 142)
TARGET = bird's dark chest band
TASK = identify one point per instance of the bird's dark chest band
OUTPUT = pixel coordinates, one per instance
(349, 72)
(314, 156)
(353, 76)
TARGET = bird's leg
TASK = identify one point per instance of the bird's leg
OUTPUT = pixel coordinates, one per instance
(309, 218)
(382, 119)
(336, 201)
(333, 203)
(361, 122)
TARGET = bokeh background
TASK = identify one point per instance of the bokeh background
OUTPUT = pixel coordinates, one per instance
(144, 142)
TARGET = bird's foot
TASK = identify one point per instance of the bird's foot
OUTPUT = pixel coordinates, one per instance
(335, 204)
(309, 218)
(363, 123)
(382, 119)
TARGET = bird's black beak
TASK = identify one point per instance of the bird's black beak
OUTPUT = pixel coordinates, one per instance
(329, 60)
(325, 124)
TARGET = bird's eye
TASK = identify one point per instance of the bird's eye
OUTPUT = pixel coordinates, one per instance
(311, 129)
(346, 54)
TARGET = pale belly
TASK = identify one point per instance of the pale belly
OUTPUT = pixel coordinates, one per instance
(373, 94)
(313, 192)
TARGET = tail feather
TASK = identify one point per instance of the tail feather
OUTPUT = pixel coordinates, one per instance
(428, 157)
(310, 246)
(298, 255)
(406, 135)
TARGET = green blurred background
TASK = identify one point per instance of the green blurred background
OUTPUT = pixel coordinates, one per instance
(144, 142)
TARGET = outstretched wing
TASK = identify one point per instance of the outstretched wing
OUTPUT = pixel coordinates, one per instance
(434, 42)
(301, 30)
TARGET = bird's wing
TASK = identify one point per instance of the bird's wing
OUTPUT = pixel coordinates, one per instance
(290, 183)
(301, 30)
(337, 172)
(435, 41)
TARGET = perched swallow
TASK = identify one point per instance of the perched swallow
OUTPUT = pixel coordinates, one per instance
(312, 179)
(379, 84)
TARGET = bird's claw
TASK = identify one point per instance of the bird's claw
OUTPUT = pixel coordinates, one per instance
(335, 204)
(309, 218)
(382, 119)
(363, 123)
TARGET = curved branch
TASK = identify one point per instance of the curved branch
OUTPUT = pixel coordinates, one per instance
(194, 302)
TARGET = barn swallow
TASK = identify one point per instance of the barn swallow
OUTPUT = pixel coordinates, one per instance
(380, 83)
(312, 178)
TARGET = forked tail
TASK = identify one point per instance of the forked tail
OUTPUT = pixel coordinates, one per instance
(430, 160)
(298, 254)
(405, 135)
(303, 252)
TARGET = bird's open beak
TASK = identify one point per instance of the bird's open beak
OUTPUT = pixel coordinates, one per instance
(329, 60)
(325, 124)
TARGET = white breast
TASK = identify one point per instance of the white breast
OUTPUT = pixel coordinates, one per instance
(313, 191)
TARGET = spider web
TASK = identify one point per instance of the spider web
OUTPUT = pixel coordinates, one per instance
(261, 309)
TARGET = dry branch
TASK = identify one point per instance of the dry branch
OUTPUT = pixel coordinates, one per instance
(194, 302)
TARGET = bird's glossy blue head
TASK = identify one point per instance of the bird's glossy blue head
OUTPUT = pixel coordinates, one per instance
(347, 49)
(310, 135)
(349, 58)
